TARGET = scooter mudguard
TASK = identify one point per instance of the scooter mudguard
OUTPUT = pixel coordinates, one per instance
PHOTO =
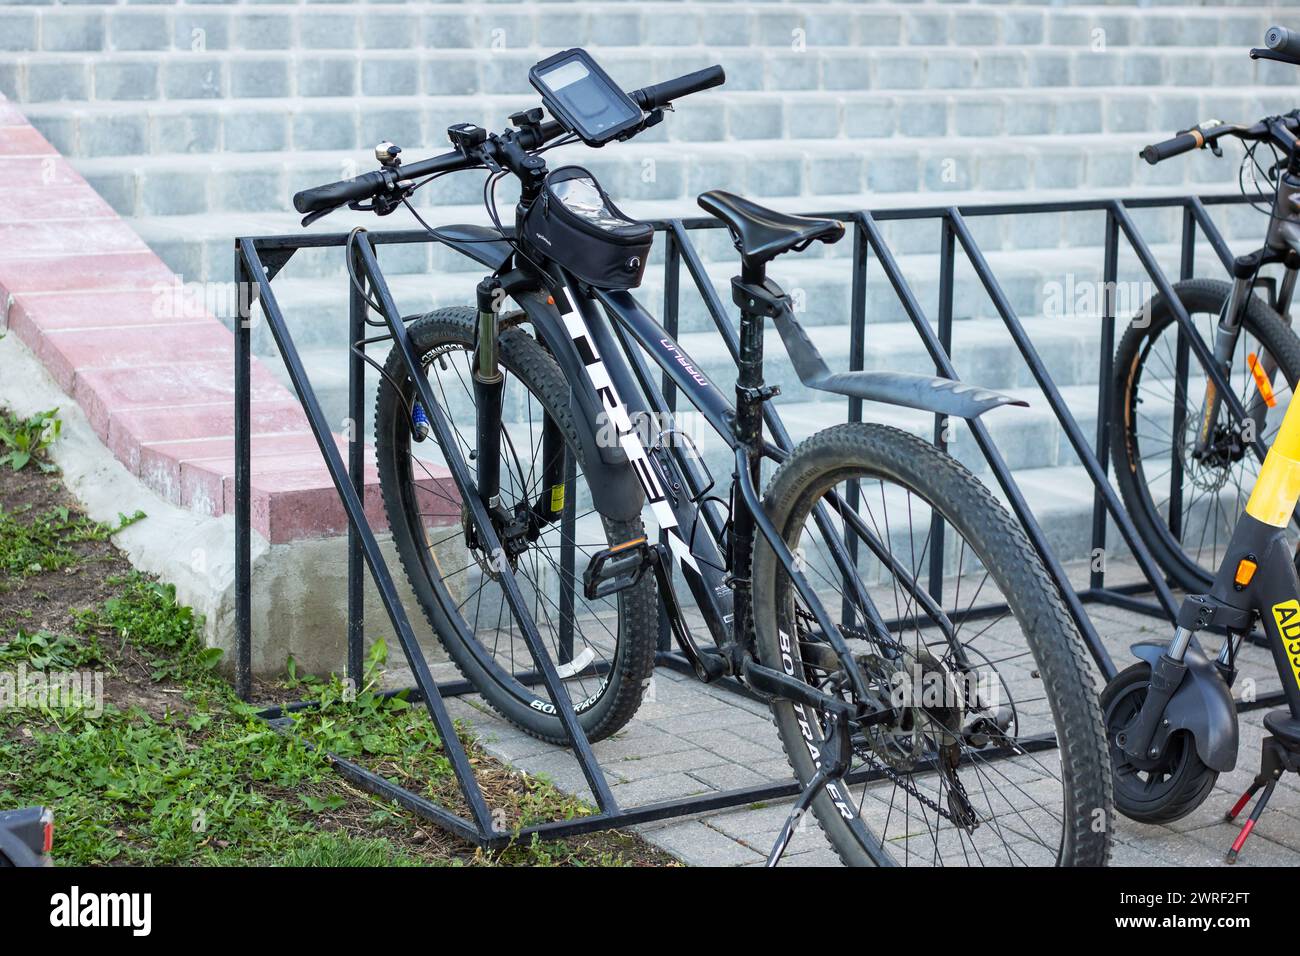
(1202, 705)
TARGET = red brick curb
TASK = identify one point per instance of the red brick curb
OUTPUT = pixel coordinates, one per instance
(82, 291)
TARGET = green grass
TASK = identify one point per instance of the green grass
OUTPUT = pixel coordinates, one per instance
(208, 783)
(46, 651)
(147, 614)
(33, 544)
(175, 769)
(328, 849)
(25, 441)
(189, 785)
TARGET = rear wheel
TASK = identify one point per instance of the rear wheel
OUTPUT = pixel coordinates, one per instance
(604, 647)
(995, 754)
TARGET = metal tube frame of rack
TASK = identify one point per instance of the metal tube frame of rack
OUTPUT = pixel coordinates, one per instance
(259, 260)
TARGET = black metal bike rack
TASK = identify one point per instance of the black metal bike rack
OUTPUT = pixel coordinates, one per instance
(259, 260)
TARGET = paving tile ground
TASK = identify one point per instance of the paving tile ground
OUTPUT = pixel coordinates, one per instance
(694, 739)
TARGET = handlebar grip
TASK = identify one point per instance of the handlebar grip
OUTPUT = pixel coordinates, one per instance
(1182, 143)
(336, 194)
(1284, 41)
(661, 94)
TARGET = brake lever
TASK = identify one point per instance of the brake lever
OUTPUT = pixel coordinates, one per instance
(1260, 54)
(311, 217)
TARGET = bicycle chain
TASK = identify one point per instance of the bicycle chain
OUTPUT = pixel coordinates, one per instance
(905, 782)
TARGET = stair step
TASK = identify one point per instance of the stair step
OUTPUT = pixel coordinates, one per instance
(192, 184)
(393, 26)
(198, 245)
(418, 123)
(1192, 5)
(211, 74)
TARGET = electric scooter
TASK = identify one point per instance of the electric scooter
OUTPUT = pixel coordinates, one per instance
(1171, 721)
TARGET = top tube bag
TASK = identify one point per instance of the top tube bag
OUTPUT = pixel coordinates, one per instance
(577, 225)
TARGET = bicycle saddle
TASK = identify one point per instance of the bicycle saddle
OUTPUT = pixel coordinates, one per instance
(762, 234)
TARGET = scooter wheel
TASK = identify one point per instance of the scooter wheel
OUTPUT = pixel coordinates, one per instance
(1151, 791)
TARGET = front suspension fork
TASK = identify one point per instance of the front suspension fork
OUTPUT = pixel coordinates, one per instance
(1225, 345)
(1226, 335)
(488, 389)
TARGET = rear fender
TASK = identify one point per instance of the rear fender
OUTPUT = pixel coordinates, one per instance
(944, 396)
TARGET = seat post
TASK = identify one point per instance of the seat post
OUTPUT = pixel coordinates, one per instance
(749, 433)
(749, 380)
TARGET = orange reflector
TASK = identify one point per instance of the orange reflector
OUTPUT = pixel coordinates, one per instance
(628, 544)
(1261, 380)
(550, 300)
(1245, 571)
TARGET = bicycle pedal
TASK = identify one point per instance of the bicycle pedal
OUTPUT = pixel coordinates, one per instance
(616, 568)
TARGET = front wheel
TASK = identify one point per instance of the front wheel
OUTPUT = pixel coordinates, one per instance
(995, 754)
(604, 647)
(1151, 791)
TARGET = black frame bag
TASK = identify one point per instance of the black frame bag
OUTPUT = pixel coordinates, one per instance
(575, 224)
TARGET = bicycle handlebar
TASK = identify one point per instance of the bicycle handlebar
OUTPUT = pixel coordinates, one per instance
(1280, 44)
(390, 178)
(1182, 143)
(373, 183)
(1279, 130)
(1284, 41)
(344, 191)
(661, 94)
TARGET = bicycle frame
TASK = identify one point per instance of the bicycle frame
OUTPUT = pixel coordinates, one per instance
(598, 340)
(602, 329)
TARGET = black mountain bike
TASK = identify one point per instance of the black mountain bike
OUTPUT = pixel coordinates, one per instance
(1183, 465)
(935, 712)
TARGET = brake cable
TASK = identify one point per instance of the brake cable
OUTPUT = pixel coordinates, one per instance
(1259, 201)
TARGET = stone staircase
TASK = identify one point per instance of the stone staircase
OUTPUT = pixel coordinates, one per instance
(198, 121)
